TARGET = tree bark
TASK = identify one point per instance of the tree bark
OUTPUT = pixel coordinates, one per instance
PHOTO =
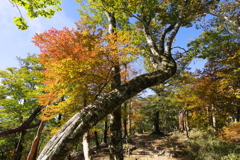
(25, 125)
(33, 151)
(213, 118)
(238, 114)
(19, 148)
(156, 129)
(125, 121)
(96, 139)
(115, 146)
(181, 120)
(186, 126)
(129, 119)
(86, 150)
(105, 132)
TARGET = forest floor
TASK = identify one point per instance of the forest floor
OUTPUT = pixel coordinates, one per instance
(148, 147)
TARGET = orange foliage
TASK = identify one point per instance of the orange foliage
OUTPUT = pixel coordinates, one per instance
(231, 133)
(78, 65)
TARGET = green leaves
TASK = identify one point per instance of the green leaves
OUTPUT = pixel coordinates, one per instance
(221, 33)
(20, 23)
(19, 90)
(36, 8)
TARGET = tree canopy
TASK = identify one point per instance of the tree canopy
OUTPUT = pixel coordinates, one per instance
(36, 8)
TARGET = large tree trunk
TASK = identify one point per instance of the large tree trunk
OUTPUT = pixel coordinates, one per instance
(165, 67)
(115, 146)
(156, 129)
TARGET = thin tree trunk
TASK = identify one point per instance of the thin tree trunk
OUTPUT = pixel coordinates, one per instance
(125, 121)
(33, 151)
(213, 118)
(105, 131)
(238, 114)
(129, 119)
(86, 150)
(181, 120)
(96, 139)
(185, 122)
(19, 148)
(85, 141)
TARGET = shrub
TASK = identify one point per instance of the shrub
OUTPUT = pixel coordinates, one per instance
(231, 133)
(205, 145)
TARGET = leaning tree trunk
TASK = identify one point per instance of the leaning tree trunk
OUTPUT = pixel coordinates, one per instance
(33, 151)
(64, 140)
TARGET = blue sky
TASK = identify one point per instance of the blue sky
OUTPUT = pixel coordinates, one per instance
(14, 42)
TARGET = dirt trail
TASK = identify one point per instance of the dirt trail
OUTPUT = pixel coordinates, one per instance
(148, 147)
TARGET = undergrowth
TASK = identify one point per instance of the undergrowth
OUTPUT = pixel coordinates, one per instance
(205, 145)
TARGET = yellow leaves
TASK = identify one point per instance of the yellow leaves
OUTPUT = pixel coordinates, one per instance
(79, 64)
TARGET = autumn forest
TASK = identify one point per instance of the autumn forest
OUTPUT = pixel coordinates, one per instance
(85, 92)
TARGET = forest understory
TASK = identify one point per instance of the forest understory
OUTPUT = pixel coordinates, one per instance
(203, 145)
(141, 147)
